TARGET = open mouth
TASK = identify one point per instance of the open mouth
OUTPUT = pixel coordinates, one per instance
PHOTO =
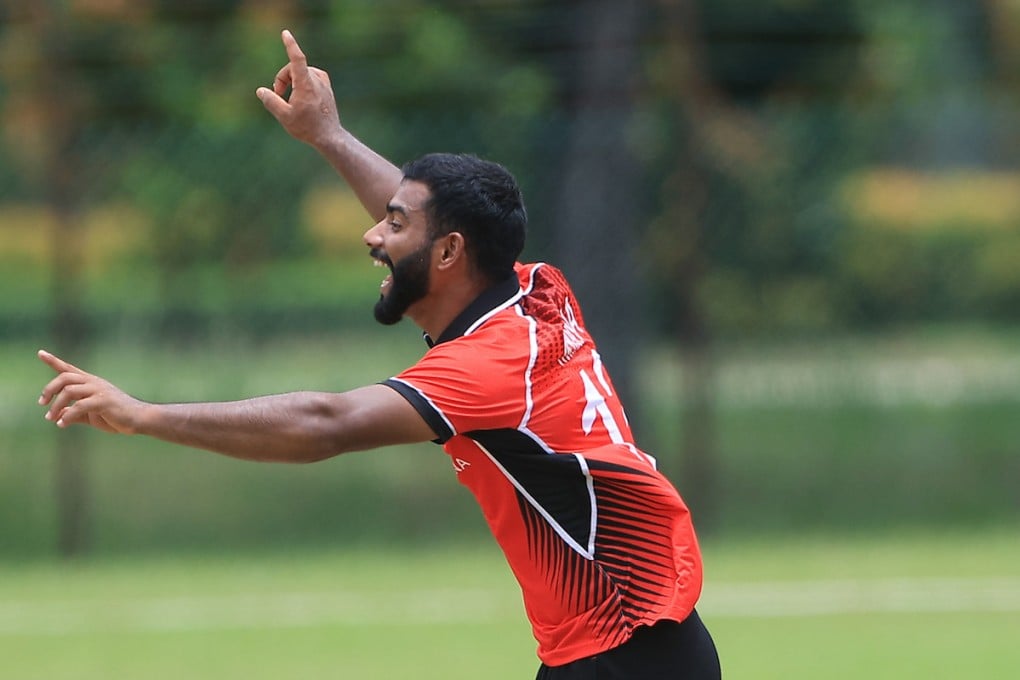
(381, 260)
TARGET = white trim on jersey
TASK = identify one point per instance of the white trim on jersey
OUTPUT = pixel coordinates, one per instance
(512, 300)
(588, 552)
(531, 277)
(431, 403)
(528, 398)
(538, 440)
(590, 483)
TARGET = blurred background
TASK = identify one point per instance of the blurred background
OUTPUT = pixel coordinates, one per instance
(794, 226)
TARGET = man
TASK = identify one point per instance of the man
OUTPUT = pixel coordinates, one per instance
(511, 386)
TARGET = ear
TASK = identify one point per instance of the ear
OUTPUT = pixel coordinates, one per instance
(451, 250)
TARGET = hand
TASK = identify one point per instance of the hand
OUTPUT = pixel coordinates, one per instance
(310, 114)
(75, 396)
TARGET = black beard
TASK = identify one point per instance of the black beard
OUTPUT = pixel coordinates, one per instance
(410, 283)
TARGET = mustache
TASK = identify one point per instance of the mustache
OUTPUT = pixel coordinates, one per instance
(380, 254)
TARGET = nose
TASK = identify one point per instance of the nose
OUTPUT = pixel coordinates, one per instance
(373, 237)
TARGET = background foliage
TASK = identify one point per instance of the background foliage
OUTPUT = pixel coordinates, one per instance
(795, 227)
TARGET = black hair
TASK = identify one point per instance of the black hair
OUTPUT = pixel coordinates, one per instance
(481, 200)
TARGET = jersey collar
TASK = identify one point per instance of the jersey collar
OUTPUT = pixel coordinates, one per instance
(492, 299)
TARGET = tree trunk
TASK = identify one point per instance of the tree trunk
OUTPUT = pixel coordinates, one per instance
(596, 216)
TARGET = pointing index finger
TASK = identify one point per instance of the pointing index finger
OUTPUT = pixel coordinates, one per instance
(66, 371)
(298, 61)
(56, 363)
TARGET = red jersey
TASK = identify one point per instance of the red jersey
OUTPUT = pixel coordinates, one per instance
(600, 542)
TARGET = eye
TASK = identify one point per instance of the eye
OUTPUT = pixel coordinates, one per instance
(395, 226)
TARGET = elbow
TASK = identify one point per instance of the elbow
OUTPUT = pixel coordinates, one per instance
(322, 433)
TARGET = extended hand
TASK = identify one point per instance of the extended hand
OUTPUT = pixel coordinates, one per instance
(310, 113)
(75, 396)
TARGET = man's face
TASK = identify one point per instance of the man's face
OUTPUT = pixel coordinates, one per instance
(400, 241)
(408, 283)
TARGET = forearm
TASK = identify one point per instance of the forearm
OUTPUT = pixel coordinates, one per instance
(373, 178)
(298, 427)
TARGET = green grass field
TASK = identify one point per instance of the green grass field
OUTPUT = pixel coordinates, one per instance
(206, 567)
(907, 606)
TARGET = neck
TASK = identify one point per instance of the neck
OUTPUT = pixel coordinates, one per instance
(435, 312)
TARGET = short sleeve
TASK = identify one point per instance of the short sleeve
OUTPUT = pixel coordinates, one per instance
(474, 382)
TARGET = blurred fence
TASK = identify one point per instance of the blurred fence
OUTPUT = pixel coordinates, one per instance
(718, 181)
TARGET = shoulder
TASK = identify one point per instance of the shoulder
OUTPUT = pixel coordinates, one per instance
(473, 382)
(537, 276)
(548, 297)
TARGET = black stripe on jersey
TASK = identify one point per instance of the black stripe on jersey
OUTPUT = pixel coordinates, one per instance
(425, 409)
(633, 552)
(578, 584)
(556, 482)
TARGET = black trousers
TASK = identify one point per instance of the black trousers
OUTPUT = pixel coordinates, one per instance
(666, 651)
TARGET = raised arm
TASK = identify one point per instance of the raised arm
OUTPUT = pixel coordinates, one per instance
(298, 427)
(310, 115)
